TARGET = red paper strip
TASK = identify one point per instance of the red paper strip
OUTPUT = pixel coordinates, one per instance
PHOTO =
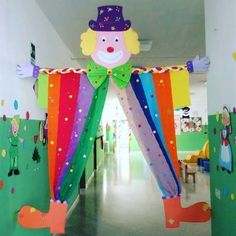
(67, 105)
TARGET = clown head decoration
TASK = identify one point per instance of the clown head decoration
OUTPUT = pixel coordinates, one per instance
(110, 40)
(15, 123)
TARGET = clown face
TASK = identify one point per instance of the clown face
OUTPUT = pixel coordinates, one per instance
(110, 50)
(225, 117)
(14, 129)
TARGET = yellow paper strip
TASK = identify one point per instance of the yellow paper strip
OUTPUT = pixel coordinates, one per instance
(180, 88)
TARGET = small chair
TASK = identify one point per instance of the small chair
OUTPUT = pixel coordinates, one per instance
(206, 165)
(189, 172)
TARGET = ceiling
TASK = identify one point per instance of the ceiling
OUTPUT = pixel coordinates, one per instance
(176, 28)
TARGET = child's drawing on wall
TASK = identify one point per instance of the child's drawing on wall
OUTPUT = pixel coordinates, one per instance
(14, 140)
(225, 159)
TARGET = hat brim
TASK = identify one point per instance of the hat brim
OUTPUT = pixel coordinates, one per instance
(109, 26)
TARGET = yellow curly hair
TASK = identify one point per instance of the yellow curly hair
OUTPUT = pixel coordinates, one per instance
(15, 121)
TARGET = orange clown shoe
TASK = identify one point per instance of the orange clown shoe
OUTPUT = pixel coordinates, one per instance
(174, 213)
(55, 219)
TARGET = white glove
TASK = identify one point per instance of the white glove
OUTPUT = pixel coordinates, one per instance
(200, 65)
(27, 70)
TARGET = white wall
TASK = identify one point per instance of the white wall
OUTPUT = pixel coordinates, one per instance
(22, 22)
(199, 102)
(220, 44)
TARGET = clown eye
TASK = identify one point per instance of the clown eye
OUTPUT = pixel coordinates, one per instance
(116, 39)
(104, 39)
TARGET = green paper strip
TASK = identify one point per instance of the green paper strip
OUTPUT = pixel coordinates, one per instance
(43, 91)
(83, 150)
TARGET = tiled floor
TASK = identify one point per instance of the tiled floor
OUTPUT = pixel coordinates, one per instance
(124, 200)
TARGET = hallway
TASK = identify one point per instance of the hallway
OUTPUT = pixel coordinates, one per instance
(123, 200)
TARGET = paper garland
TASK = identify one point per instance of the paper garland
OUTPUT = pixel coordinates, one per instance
(158, 69)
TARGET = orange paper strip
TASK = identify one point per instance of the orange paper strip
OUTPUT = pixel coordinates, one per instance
(162, 86)
(53, 110)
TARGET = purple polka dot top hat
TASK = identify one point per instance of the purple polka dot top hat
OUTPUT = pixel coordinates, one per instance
(110, 18)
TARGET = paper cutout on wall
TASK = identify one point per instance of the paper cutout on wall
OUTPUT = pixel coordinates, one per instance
(174, 213)
(55, 218)
(15, 104)
(36, 157)
(2, 102)
(226, 156)
(234, 55)
(110, 40)
(4, 153)
(27, 115)
(4, 118)
(191, 124)
(177, 125)
(1, 184)
(185, 112)
(217, 193)
(14, 140)
(43, 130)
(225, 191)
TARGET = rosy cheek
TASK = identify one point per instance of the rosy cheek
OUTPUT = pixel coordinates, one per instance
(100, 47)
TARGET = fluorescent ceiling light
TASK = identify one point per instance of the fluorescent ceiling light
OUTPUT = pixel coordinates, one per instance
(145, 45)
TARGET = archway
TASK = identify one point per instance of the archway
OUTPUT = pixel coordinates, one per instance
(148, 96)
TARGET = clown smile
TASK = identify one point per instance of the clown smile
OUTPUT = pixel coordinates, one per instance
(110, 58)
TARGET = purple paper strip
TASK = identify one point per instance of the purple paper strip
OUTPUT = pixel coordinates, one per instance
(148, 144)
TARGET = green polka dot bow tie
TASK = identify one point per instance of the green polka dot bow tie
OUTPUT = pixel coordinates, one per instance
(97, 74)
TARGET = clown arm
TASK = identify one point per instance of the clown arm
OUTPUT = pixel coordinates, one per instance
(27, 70)
(198, 65)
